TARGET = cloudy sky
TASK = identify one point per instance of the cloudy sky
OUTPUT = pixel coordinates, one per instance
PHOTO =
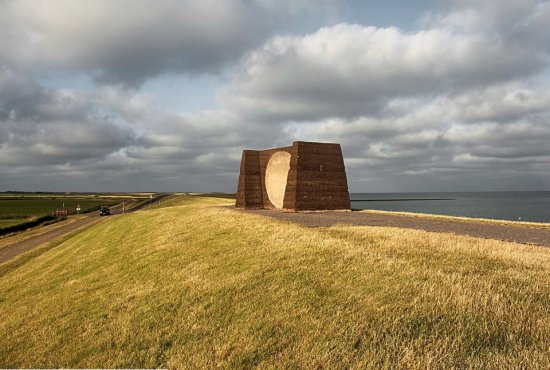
(428, 95)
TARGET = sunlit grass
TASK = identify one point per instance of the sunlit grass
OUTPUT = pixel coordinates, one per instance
(194, 285)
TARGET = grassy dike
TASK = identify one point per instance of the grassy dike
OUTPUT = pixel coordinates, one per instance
(193, 285)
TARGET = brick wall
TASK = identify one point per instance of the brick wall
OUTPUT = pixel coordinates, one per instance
(316, 178)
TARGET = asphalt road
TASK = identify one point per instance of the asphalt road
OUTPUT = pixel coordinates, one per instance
(15, 249)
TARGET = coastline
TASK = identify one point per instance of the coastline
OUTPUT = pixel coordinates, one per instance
(535, 225)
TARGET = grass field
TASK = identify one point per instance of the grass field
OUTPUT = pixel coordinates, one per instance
(11, 221)
(193, 285)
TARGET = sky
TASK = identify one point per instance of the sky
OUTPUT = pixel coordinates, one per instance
(133, 95)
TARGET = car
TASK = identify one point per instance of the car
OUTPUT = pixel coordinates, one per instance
(104, 211)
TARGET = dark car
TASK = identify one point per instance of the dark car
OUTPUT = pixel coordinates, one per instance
(104, 211)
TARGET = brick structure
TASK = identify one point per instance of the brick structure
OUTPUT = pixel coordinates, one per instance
(310, 177)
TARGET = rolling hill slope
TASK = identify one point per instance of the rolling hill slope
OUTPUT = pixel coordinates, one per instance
(194, 285)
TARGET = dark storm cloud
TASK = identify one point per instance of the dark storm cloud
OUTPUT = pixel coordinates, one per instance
(39, 126)
(489, 132)
(63, 140)
(129, 41)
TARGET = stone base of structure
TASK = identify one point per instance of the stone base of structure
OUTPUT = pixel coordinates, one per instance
(303, 177)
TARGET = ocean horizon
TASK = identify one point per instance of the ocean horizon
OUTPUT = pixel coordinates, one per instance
(529, 206)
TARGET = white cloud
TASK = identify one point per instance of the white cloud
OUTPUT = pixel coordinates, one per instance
(455, 104)
(351, 70)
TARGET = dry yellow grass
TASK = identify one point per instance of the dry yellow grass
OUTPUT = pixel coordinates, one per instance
(198, 286)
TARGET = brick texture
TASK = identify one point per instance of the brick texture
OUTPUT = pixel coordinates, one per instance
(316, 178)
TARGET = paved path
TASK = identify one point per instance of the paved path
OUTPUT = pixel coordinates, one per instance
(26, 245)
(519, 234)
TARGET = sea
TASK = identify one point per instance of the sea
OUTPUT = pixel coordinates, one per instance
(529, 206)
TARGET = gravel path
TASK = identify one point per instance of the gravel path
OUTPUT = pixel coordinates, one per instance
(519, 234)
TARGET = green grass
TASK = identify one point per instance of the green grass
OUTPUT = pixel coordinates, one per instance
(193, 285)
(10, 222)
(218, 195)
